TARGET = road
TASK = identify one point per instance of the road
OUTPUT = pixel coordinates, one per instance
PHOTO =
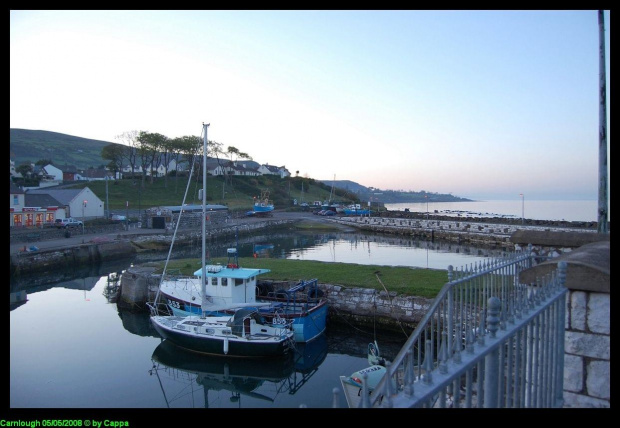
(77, 238)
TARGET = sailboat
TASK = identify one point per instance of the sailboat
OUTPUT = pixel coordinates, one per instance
(245, 333)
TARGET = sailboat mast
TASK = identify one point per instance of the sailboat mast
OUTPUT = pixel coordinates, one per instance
(203, 279)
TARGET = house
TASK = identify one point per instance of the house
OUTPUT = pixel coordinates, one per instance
(94, 174)
(32, 210)
(14, 172)
(267, 169)
(78, 203)
(69, 173)
(48, 173)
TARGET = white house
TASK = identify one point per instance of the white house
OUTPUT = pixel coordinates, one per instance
(77, 203)
(273, 170)
(14, 173)
(51, 173)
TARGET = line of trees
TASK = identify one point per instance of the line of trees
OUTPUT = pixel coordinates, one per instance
(148, 150)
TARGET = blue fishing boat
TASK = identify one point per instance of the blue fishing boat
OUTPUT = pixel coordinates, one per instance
(231, 286)
(263, 204)
(355, 209)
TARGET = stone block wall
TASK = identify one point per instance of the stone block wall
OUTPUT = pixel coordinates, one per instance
(587, 375)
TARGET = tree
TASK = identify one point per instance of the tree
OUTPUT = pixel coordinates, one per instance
(166, 157)
(149, 144)
(116, 154)
(186, 146)
(44, 162)
(24, 169)
(130, 139)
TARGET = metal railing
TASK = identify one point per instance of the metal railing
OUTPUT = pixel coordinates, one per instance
(487, 341)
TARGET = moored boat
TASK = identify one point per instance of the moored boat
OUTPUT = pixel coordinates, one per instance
(243, 334)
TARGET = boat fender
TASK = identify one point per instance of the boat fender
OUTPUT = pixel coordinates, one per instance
(225, 346)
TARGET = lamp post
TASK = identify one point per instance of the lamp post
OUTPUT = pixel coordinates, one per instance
(522, 208)
(107, 204)
(426, 197)
(83, 206)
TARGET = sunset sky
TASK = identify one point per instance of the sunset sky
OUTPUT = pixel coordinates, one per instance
(480, 104)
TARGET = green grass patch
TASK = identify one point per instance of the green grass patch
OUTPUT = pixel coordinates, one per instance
(402, 280)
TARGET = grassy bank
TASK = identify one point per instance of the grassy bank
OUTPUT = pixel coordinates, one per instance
(402, 280)
(237, 196)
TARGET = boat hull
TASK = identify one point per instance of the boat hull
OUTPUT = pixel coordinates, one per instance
(263, 208)
(308, 323)
(230, 346)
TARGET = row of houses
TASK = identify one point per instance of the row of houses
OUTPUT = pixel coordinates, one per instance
(36, 207)
(52, 175)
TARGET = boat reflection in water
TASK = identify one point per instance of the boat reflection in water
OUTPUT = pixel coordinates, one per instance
(183, 374)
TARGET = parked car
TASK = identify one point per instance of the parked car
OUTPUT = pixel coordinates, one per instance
(64, 223)
(117, 217)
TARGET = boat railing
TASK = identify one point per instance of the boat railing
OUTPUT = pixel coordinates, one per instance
(487, 340)
(158, 308)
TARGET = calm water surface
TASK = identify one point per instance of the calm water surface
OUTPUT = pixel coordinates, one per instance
(71, 347)
(577, 210)
(88, 354)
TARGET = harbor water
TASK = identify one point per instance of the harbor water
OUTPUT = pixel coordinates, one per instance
(72, 348)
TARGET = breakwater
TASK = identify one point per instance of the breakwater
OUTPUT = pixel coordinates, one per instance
(477, 232)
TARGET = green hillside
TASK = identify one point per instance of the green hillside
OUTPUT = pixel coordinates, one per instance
(30, 146)
(237, 196)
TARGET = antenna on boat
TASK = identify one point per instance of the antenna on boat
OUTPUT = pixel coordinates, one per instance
(203, 277)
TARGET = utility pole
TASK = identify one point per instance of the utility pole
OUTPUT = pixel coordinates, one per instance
(107, 204)
(602, 135)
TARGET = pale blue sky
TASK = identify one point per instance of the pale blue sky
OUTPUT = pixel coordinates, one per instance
(481, 104)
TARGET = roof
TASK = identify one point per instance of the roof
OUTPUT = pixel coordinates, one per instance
(236, 273)
(191, 208)
(64, 196)
(40, 200)
(15, 190)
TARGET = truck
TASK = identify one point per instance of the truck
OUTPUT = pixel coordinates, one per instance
(65, 223)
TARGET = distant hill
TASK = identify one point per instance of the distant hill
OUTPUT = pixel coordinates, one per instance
(391, 196)
(348, 185)
(30, 146)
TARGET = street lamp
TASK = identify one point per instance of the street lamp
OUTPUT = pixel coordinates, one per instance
(426, 197)
(522, 208)
(107, 204)
(83, 206)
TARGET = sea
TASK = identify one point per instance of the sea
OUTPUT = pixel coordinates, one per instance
(555, 210)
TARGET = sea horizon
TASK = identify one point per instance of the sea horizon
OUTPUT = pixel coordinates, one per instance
(554, 210)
